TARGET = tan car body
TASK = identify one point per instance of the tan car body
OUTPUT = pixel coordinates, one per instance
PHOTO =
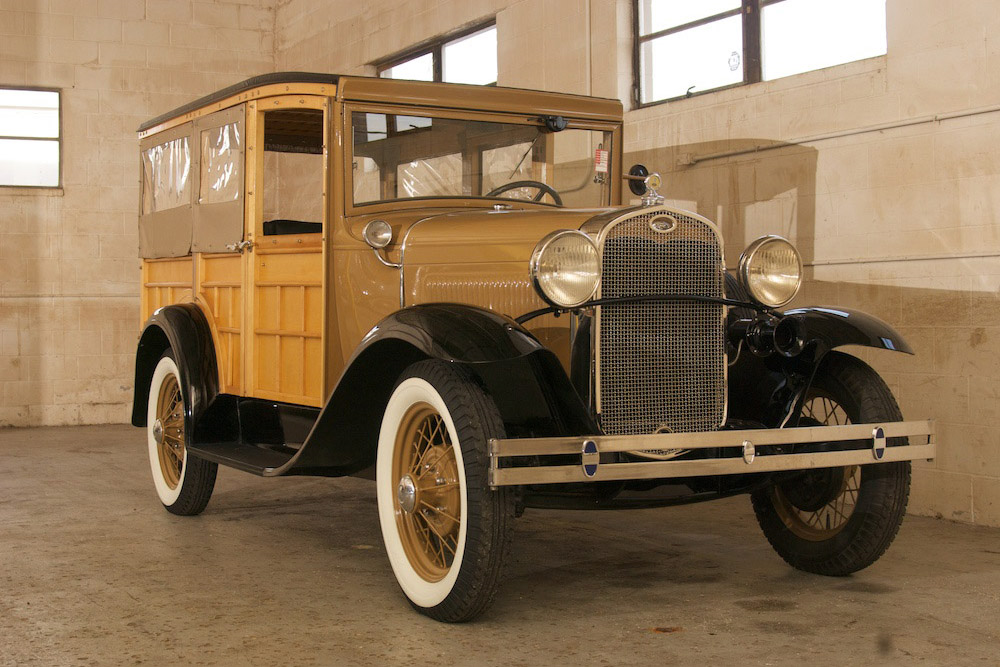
(287, 316)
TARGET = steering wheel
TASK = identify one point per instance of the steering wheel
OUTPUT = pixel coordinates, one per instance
(543, 189)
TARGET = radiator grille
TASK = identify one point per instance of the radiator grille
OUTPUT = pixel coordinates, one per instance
(661, 366)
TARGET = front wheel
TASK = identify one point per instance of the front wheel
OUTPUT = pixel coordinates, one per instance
(836, 521)
(446, 533)
(183, 482)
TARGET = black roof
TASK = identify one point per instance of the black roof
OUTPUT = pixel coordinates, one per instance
(242, 86)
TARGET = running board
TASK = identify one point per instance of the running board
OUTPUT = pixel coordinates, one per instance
(259, 460)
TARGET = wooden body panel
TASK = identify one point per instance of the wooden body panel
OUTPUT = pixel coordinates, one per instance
(220, 289)
(165, 281)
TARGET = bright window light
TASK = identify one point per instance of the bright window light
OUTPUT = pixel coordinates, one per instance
(471, 59)
(702, 58)
(657, 15)
(29, 138)
(689, 47)
(420, 68)
(805, 35)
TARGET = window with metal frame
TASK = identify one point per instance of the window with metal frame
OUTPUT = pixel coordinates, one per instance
(687, 48)
(30, 137)
(466, 57)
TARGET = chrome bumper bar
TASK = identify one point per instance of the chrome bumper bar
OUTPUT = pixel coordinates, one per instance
(744, 442)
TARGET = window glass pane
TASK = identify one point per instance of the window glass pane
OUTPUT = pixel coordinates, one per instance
(471, 59)
(695, 60)
(804, 35)
(221, 164)
(29, 162)
(29, 113)
(420, 68)
(404, 123)
(430, 177)
(366, 180)
(166, 176)
(451, 157)
(506, 164)
(656, 15)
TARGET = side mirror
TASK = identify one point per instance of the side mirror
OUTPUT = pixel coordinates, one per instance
(637, 179)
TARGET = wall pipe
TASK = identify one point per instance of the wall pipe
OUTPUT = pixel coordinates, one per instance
(690, 160)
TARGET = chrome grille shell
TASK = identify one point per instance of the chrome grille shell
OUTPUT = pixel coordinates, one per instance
(660, 366)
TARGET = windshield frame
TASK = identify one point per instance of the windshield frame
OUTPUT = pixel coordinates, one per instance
(439, 201)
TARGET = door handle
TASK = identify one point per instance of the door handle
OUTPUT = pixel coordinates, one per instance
(241, 246)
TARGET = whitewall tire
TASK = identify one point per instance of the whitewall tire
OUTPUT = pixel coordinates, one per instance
(183, 483)
(446, 533)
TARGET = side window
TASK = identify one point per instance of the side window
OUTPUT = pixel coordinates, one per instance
(166, 175)
(219, 212)
(221, 164)
(293, 171)
(168, 163)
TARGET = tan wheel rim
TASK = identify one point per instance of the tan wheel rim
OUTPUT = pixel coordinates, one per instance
(168, 431)
(830, 519)
(428, 502)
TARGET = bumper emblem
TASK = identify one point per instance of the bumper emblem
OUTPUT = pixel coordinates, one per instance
(749, 452)
(878, 443)
(590, 457)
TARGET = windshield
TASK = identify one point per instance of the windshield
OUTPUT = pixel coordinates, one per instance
(410, 156)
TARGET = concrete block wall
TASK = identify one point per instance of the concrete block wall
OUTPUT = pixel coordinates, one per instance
(885, 174)
(895, 211)
(69, 277)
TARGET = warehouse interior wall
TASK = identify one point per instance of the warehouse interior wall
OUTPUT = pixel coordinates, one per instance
(884, 172)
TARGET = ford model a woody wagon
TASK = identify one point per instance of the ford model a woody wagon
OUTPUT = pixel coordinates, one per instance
(437, 286)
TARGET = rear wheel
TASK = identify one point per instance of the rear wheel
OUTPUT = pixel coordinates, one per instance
(183, 482)
(836, 521)
(447, 534)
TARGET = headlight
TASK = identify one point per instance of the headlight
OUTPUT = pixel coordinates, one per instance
(771, 271)
(566, 268)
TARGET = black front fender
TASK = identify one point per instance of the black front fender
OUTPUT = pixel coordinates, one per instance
(527, 383)
(825, 328)
(769, 389)
(184, 329)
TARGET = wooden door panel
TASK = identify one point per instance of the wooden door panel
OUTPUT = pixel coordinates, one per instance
(220, 287)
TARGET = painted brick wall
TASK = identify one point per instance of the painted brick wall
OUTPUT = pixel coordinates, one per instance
(69, 277)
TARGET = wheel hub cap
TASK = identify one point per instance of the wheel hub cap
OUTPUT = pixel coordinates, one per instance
(158, 432)
(406, 494)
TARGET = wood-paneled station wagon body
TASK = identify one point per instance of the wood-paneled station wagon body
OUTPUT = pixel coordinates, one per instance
(437, 286)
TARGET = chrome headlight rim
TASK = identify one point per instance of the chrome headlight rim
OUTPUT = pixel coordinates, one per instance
(536, 258)
(746, 262)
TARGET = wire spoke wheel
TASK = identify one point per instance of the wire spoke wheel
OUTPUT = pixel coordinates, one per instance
(824, 500)
(428, 500)
(446, 532)
(836, 521)
(169, 430)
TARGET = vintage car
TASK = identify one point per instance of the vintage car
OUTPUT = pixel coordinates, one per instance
(437, 286)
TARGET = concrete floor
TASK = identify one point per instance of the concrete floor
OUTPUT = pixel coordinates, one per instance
(291, 571)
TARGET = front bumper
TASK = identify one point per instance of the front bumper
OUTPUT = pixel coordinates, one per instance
(740, 455)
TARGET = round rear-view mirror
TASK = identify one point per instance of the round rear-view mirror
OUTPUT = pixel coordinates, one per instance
(637, 179)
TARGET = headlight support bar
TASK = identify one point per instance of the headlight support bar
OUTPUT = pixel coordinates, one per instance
(610, 301)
